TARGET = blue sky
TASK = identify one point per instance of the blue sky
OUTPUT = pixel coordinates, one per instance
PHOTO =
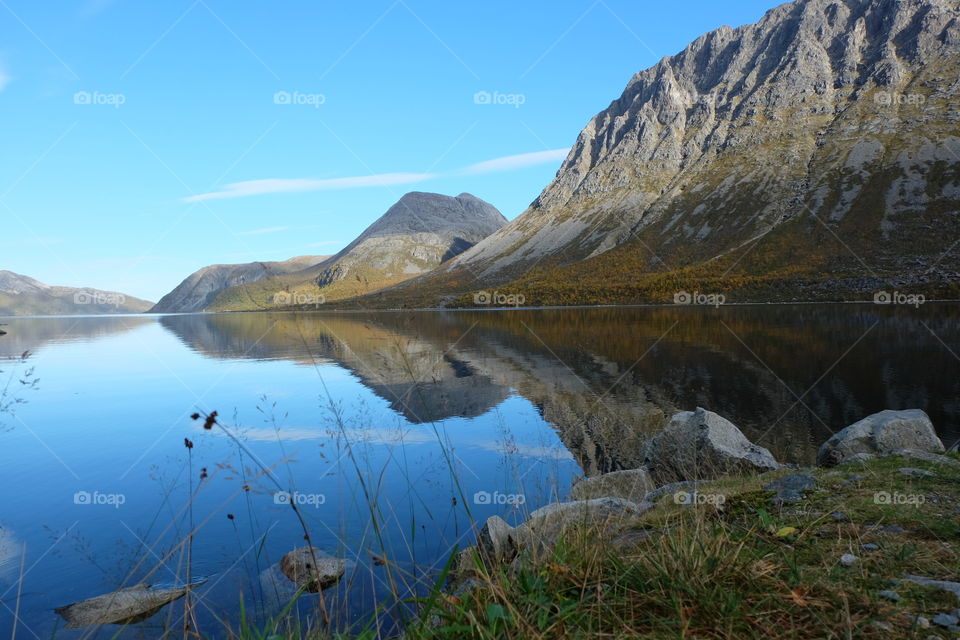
(144, 140)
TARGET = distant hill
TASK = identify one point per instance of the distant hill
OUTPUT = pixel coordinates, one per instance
(416, 235)
(202, 287)
(23, 296)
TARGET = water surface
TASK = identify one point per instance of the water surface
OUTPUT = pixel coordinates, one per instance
(395, 430)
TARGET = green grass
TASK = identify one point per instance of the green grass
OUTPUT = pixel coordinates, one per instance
(732, 572)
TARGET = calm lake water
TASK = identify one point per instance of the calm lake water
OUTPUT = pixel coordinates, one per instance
(395, 431)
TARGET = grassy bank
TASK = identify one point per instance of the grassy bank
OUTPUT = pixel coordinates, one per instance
(732, 567)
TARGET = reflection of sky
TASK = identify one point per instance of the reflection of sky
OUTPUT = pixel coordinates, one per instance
(10, 550)
(111, 415)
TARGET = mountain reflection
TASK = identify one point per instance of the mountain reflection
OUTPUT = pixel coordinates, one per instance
(789, 376)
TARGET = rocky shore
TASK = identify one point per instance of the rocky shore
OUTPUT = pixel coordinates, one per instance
(702, 464)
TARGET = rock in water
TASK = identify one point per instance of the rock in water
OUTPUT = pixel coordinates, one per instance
(702, 445)
(631, 484)
(312, 569)
(124, 606)
(881, 434)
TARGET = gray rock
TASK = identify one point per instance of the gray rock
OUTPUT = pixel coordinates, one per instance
(545, 525)
(869, 546)
(703, 445)
(311, 568)
(921, 473)
(944, 585)
(791, 488)
(887, 594)
(840, 517)
(632, 485)
(945, 620)
(848, 559)
(858, 458)
(881, 434)
(892, 528)
(496, 540)
(124, 606)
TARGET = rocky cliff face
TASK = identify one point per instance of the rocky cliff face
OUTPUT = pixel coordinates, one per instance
(827, 115)
(202, 287)
(23, 296)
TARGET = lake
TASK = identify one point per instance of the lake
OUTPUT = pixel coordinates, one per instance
(394, 431)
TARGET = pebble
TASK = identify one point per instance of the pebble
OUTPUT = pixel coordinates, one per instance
(840, 517)
(869, 546)
(893, 528)
(945, 620)
(848, 559)
(922, 623)
(893, 596)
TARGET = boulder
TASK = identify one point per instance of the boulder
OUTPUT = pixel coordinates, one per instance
(881, 434)
(700, 445)
(605, 516)
(311, 568)
(496, 541)
(632, 485)
(124, 606)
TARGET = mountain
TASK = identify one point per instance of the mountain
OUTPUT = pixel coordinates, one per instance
(814, 154)
(24, 296)
(202, 287)
(416, 235)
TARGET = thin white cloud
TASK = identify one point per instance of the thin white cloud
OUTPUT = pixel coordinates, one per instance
(291, 185)
(520, 161)
(260, 232)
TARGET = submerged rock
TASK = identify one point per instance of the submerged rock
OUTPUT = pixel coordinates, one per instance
(631, 484)
(881, 434)
(124, 606)
(312, 569)
(703, 445)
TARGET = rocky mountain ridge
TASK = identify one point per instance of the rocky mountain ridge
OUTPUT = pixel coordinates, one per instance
(22, 295)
